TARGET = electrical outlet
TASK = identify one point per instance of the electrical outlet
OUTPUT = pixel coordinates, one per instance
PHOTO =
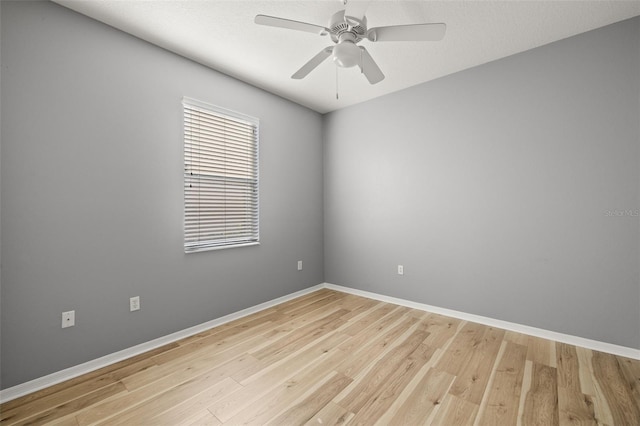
(68, 319)
(400, 270)
(134, 303)
(299, 265)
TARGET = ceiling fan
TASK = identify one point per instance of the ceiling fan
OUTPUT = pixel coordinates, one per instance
(347, 28)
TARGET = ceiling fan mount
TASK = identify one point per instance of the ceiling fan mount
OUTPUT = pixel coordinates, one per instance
(347, 28)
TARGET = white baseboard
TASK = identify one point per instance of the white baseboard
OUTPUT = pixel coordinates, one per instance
(87, 367)
(506, 325)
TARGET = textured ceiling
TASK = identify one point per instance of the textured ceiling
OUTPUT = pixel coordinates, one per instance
(223, 36)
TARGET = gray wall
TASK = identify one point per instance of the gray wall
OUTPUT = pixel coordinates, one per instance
(492, 188)
(92, 193)
(0, 189)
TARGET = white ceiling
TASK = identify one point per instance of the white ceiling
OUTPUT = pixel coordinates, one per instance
(222, 35)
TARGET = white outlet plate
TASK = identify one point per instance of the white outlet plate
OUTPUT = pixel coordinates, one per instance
(134, 303)
(68, 319)
(299, 265)
(400, 270)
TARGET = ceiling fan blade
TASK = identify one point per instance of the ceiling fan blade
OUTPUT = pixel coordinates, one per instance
(416, 32)
(369, 67)
(313, 63)
(273, 21)
(355, 10)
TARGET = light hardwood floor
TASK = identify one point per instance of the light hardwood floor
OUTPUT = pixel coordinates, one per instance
(334, 358)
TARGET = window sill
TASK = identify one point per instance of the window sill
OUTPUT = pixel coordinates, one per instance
(230, 246)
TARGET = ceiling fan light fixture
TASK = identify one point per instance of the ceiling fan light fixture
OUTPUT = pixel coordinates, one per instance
(346, 54)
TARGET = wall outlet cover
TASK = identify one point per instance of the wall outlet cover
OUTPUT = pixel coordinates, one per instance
(134, 303)
(68, 319)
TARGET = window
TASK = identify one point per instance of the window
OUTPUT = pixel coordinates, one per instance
(220, 178)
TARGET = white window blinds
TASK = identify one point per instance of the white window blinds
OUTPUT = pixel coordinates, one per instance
(220, 178)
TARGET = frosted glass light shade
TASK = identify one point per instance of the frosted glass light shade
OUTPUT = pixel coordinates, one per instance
(346, 54)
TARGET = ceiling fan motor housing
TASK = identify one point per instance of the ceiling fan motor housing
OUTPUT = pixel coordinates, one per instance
(339, 26)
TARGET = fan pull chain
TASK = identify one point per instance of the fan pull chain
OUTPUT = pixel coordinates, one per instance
(337, 97)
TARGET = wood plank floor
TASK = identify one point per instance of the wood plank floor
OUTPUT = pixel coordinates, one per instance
(333, 358)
